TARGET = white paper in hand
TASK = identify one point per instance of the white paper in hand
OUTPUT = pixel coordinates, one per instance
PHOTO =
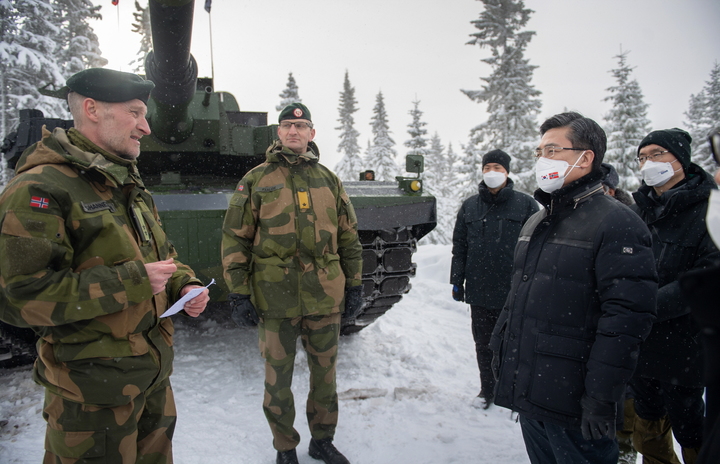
(180, 304)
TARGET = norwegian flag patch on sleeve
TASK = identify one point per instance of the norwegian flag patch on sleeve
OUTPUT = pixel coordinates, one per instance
(39, 202)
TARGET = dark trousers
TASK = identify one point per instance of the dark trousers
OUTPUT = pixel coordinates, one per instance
(683, 405)
(551, 444)
(483, 323)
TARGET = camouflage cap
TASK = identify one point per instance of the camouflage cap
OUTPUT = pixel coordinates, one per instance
(295, 111)
(109, 85)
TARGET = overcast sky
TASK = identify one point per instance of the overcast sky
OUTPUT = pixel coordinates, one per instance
(415, 49)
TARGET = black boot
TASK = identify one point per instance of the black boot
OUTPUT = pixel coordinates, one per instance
(286, 457)
(325, 450)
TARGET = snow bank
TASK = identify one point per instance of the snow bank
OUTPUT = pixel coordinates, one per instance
(406, 385)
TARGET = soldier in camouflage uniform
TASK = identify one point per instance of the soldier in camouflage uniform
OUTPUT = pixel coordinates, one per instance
(292, 262)
(88, 267)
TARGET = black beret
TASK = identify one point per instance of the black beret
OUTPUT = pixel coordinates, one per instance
(108, 85)
(611, 177)
(497, 156)
(675, 140)
(295, 111)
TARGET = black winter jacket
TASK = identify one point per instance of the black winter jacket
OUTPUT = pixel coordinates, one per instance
(581, 302)
(486, 231)
(681, 242)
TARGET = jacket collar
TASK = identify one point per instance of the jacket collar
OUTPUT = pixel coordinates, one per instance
(502, 196)
(71, 147)
(696, 188)
(277, 153)
(572, 194)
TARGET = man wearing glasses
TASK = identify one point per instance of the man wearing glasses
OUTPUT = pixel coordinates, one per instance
(581, 301)
(668, 382)
(293, 263)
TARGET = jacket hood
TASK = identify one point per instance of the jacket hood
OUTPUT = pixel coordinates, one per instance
(56, 148)
(696, 188)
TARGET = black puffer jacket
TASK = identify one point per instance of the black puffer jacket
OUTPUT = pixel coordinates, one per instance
(681, 242)
(582, 300)
(486, 231)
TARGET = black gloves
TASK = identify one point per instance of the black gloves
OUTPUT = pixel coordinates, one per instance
(598, 418)
(458, 293)
(353, 301)
(243, 311)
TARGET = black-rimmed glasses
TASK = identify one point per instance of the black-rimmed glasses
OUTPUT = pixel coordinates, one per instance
(652, 157)
(298, 125)
(550, 151)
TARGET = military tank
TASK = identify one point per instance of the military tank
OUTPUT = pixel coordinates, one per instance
(202, 144)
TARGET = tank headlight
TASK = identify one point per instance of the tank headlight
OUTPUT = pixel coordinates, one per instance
(415, 185)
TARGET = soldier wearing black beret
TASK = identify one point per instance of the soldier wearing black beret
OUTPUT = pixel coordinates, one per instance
(87, 266)
(302, 300)
(108, 85)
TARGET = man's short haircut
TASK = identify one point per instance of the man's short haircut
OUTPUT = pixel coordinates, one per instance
(584, 133)
(74, 103)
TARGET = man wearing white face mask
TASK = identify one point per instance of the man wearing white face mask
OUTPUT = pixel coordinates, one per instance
(484, 238)
(581, 301)
(668, 382)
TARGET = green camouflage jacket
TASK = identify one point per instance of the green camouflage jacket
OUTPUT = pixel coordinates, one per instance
(77, 227)
(290, 235)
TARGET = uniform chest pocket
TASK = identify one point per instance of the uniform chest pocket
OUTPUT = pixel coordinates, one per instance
(276, 205)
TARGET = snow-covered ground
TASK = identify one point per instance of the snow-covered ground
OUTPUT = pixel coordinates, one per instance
(417, 361)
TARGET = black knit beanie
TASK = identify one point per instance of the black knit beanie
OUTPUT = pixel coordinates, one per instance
(675, 140)
(499, 157)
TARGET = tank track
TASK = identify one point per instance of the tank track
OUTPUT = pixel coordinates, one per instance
(17, 346)
(387, 269)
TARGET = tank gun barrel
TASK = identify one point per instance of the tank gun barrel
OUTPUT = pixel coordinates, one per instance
(172, 68)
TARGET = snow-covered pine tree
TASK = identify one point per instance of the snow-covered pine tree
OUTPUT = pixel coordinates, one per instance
(470, 171)
(703, 116)
(142, 27)
(417, 131)
(80, 48)
(626, 124)
(452, 182)
(8, 59)
(36, 49)
(350, 165)
(381, 154)
(289, 95)
(512, 101)
(433, 175)
(436, 172)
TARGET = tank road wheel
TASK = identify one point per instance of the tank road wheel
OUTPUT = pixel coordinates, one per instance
(387, 268)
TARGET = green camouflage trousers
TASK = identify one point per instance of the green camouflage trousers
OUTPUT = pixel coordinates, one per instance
(138, 432)
(278, 342)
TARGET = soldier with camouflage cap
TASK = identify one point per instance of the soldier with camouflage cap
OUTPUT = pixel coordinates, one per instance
(86, 265)
(293, 262)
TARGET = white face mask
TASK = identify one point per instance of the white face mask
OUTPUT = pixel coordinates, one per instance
(656, 174)
(494, 179)
(550, 174)
(712, 219)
